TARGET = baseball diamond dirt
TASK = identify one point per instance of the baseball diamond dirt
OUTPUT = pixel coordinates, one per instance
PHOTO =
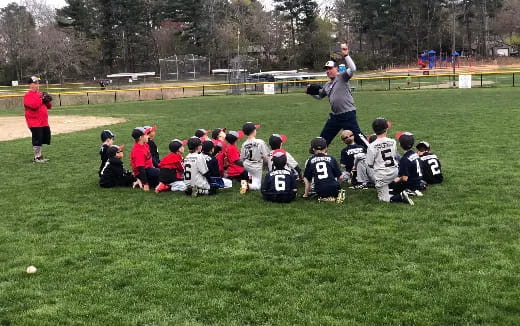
(16, 127)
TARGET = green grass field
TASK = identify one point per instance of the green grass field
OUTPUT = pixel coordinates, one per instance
(125, 257)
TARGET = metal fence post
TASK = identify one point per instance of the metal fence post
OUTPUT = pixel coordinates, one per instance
(480, 80)
(389, 83)
(202, 90)
(513, 79)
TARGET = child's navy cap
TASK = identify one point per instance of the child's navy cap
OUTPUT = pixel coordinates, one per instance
(249, 127)
(193, 143)
(422, 145)
(107, 134)
(406, 140)
(318, 143)
(175, 144)
(207, 146)
(276, 140)
(380, 125)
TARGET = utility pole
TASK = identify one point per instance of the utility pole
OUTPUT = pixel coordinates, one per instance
(453, 41)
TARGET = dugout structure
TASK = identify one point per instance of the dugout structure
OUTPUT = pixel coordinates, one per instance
(239, 68)
(184, 67)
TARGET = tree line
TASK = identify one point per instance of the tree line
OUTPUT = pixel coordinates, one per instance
(88, 38)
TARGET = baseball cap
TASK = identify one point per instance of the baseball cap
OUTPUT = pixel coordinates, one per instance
(232, 136)
(207, 146)
(138, 132)
(193, 143)
(112, 150)
(424, 145)
(175, 144)
(276, 140)
(380, 125)
(216, 132)
(318, 143)
(406, 140)
(249, 127)
(107, 134)
(329, 64)
(201, 132)
(279, 159)
(149, 129)
(33, 79)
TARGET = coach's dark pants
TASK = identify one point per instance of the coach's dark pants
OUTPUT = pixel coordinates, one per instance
(345, 121)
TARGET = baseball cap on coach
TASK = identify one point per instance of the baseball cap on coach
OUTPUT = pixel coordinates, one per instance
(329, 64)
(107, 134)
(33, 79)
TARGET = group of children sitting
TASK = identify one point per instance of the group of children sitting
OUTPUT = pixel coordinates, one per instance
(214, 163)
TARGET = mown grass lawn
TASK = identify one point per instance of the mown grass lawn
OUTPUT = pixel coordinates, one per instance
(125, 257)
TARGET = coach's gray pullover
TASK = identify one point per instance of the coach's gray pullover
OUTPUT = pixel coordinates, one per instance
(338, 90)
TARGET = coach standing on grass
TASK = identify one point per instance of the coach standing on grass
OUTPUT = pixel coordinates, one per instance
(343, 115)
(37, 117)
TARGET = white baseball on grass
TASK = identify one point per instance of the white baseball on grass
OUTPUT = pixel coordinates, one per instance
(31, 270)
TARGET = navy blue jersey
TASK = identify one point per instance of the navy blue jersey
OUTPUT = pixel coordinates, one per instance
(324, 170)
(431, 168)
(104, 156)
(212, 164)
(154, 152)
(410, 166)
(279, 186)
(114, 174)
(349, 154)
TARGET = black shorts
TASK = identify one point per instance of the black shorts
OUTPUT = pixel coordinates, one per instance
(41, 135)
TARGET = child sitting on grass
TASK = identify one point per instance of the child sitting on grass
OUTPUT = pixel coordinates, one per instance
(113, 173)
(323, 170)
(171, 174)
(279, 184)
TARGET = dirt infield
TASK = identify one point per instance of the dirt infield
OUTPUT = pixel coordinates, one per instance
(15, 127)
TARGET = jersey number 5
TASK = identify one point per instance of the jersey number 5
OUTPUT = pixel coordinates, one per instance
(389, 159)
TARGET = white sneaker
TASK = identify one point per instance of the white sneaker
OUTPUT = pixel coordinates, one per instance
(137, 183)
(406, 198)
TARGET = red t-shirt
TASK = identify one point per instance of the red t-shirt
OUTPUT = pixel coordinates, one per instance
(140, 156)
(36, 114)
(232, 155)
(173, 161)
